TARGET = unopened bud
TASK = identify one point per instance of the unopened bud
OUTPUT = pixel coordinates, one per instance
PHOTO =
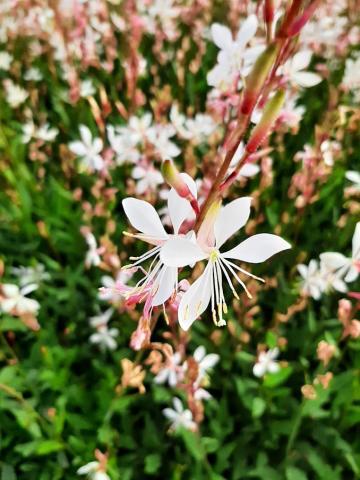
(256, 78)
(270, 114)
(269, 11)
(173, 178)
(299, 23)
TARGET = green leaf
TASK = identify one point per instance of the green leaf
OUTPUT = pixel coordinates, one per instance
(293, 473)
(258, 407)
(275, 379)
(152, 463)
(8, 472)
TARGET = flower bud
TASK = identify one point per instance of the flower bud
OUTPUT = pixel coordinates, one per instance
(269, 11)
(173, 178)
(256, 78)
(270, 114)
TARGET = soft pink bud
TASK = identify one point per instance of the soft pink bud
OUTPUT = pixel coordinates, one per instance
(257, 77)
(269, 11)
(270, 114)
(173, 178)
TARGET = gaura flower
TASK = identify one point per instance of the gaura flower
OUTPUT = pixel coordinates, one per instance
(179, 252)
(313, 283)
(160, 281)
(348, 268)
(88, 149)
(179, 416)
(294, 70)
(266, 363)
(15, 299)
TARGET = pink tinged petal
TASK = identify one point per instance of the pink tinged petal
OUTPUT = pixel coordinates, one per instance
(8, 304)
(98, 162)
(195, 300)
(247, 30)
(144, 217)
(166, 281)
(221, 36)
(179, 252)
(162, 376)
(259, 370)
(333, 260)
(85, 134)
(356, 243)
(231, 218)
(301, 60)
(306, 79)
(258, 248)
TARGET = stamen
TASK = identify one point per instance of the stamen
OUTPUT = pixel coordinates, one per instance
(228, 280)
(245, 272)
(237, 278)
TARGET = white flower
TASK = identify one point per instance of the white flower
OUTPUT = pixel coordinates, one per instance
(15, 95)
(179, 417)
(92, 255)
(124, 144)
(15, 299)
(87, 88)
(94, 471)
(172, 373)
(47, 133)
(329, 149)
(351, 78)
(313, 282)
(266, 363)
(234, 59)
(354, 177)
(346, 268)
(88, 149)
(147, 180)
(104, 337)
(159, 136)
(160, 281)
(108, 291)
(205, 361)
(31, 275)
(294, 68)
(179, 252)
(195, 129)
(33, 75)
(5, 60)
(249, 169)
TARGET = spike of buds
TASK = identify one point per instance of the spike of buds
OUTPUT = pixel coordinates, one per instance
(270, 114)
(257, 77)
(269, 13)
(173, 178)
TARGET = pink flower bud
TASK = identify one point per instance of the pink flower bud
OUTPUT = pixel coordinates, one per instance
(269, 11)
(270, 114)
(173, 178)
(256, 78)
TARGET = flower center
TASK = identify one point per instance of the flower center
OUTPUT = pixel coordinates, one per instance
(214, 255)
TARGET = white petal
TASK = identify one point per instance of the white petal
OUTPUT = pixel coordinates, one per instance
(88, 468)
(258, 248)
(97, 145)
(247, 30)
(195, 300)
(353, 176)
(333, 260)
(301, 60)
(78, 148)
(249, 170)
(170, 414)
(306, 79)
(351, 275)
(180, 208)
(231, 218)
(210, 361)
(179, 252)
(221, 36)
(273, 367)
(10, 290)
(167, 280)
(303, 270)
(356, 243)
(259, 369)
(199, 353)
(85, 134)
(144, 217)
(178, 405)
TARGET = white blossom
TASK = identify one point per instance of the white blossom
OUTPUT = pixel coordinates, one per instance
(88, 149)
(266, 363)
(179, 417)
(15, 300)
